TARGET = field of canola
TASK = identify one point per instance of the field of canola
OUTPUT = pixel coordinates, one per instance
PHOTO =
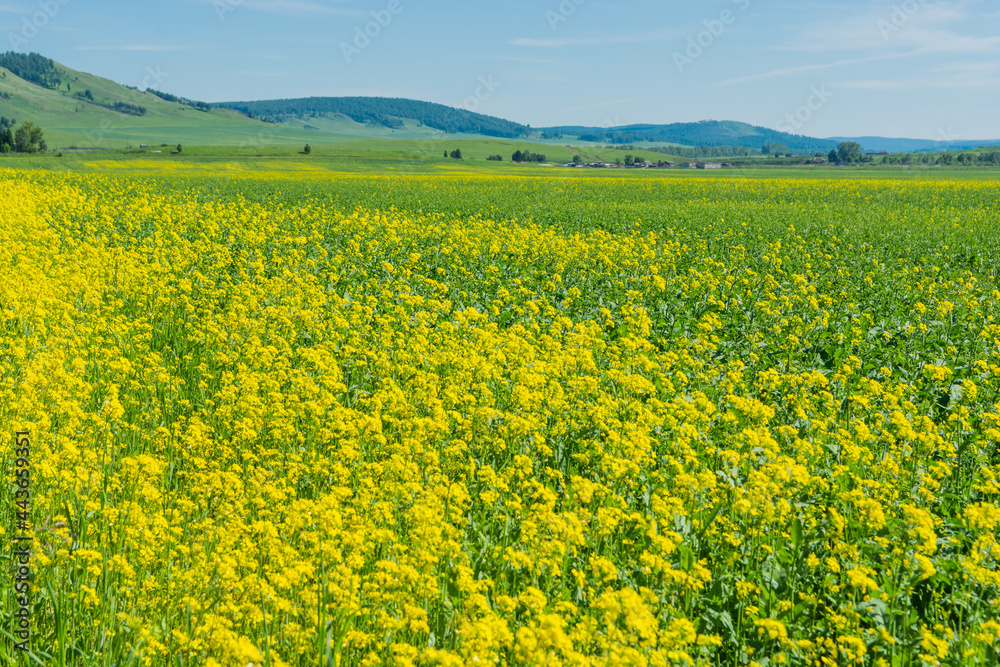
(453, 419)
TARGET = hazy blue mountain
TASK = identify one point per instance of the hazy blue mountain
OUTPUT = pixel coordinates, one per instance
(703, 133)
(891, 145)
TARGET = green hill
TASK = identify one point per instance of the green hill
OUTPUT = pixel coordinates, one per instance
(83, 110)
(703, 133)
(382, 112)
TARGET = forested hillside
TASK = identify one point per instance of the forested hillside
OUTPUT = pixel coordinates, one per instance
(32, 67)
(704, 133)
(387, 112)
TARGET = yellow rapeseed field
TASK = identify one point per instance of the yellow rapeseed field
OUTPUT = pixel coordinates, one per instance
(457, 419)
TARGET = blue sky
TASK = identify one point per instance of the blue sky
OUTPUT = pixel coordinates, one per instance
(917, 68)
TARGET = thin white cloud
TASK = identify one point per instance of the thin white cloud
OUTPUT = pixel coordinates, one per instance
(606, 40)
(922, 84)
(969, 67)
(531, 61)
(539, 77)
(261, 73)
(789, 71)
(294, 8)
(299, 8)
(952, 76)
(146, 47)
(894, 26)
(887, 32)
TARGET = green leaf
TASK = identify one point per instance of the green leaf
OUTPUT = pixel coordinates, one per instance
(797, 534)
(687, 558)
(876, 609)
(774, 575)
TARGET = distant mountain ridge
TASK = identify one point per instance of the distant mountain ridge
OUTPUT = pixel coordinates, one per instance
(393, 112)
(77, 108)
(702, 133)
(891, 145)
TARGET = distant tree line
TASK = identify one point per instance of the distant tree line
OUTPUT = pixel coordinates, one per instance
(495, 158)
(28, 138)
(385, 112)
(119, 106)
(390, 122)
(251, 114)
(991, 159)
(777, 150)
(126, 108)
(850, 152)
(33, 68)
(527, 156)
(695, 152)
(200, 106)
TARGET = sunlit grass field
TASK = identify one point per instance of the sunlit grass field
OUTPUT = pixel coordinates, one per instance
(459, 417)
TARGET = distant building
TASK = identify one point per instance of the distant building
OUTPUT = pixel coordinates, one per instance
(710, 165)
(818, 160)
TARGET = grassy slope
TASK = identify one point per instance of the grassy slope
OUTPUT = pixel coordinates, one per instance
(71, 121)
